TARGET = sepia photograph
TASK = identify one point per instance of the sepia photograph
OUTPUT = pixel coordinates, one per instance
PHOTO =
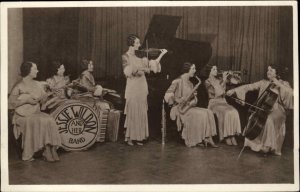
(149, 96)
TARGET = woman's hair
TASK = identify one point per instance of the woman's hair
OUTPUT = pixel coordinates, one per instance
(84, 64)
(131, 38)
(186, 67)
(54, 67)
(25, 68)
(281, 71)
(208, 69)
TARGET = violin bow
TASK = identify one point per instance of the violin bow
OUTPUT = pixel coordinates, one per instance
(254, 106)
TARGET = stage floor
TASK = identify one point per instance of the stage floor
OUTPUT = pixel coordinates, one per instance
(118, 163)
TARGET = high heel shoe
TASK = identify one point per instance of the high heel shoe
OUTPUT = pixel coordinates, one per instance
(228, 141)
(130, 143)
(48, 157)
(210, 142)
(54, 154)
(139, 143)
(233, 141)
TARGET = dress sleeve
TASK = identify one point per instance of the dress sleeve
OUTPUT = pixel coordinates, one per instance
(287, 96)
(210, 89)
(13, 102)
(155, 66)
(170, 93)
(50, 82)
(242, 90)
(86, 81)
(128, 69)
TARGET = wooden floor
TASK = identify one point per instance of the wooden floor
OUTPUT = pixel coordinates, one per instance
(117, 163)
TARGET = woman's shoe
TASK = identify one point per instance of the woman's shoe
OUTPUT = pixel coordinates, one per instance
(139, 143)
(228, 141)
(48, 157)
(210, 141)
(277, 153)
(28, 160)
(130, 143)
(200, 145)
(54, 154)
(233, 141)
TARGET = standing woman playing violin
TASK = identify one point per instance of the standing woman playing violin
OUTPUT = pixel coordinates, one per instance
(38, 130)
(228, 118)
(272, 136)
(136, 122)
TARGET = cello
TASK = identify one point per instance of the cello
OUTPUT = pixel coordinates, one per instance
(259, 112)
(258, 118)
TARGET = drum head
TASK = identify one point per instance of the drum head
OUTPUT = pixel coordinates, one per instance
(77, 125)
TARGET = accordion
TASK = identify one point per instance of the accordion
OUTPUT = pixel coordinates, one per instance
(113, 124)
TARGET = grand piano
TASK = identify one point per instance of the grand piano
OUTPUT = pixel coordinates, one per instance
(161, 34)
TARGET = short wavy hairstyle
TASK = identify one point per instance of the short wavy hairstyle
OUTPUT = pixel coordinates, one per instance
(281, 71)
(84, 64)
(54, 67)
(186, 67)
(131, 38)
(25, 68)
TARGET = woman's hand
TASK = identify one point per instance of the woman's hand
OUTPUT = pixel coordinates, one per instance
(146, 70)
(32, 101)
(230, 92)
(276, 82)
(195, 93)
(225, 75)
(163, 52)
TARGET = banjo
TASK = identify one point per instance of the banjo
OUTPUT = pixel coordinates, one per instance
(29, 109)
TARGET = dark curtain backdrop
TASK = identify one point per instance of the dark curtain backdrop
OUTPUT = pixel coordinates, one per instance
(242, 38)
(51, 34)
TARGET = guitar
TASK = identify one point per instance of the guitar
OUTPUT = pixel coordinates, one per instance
(29, 109)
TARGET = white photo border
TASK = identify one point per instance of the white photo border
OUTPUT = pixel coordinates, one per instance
(195, 187)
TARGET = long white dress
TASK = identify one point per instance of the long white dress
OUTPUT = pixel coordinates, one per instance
(136, 92)
(227, 116)
(197, 123)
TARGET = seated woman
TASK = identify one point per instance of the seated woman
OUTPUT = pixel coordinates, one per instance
(272, 136)
(38, 130)
(57, 82)
(197, 124)
(228, 118)
(86, 79)
(88, 92)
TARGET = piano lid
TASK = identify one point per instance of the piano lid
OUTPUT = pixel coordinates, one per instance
(161, 28)
(161, 34)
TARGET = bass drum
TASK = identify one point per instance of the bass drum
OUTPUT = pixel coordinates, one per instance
(78, 125)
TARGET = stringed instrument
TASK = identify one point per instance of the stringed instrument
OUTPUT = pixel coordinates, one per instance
(259, 112)
(29, 109)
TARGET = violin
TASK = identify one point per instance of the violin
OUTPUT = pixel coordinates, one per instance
(151, 53)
